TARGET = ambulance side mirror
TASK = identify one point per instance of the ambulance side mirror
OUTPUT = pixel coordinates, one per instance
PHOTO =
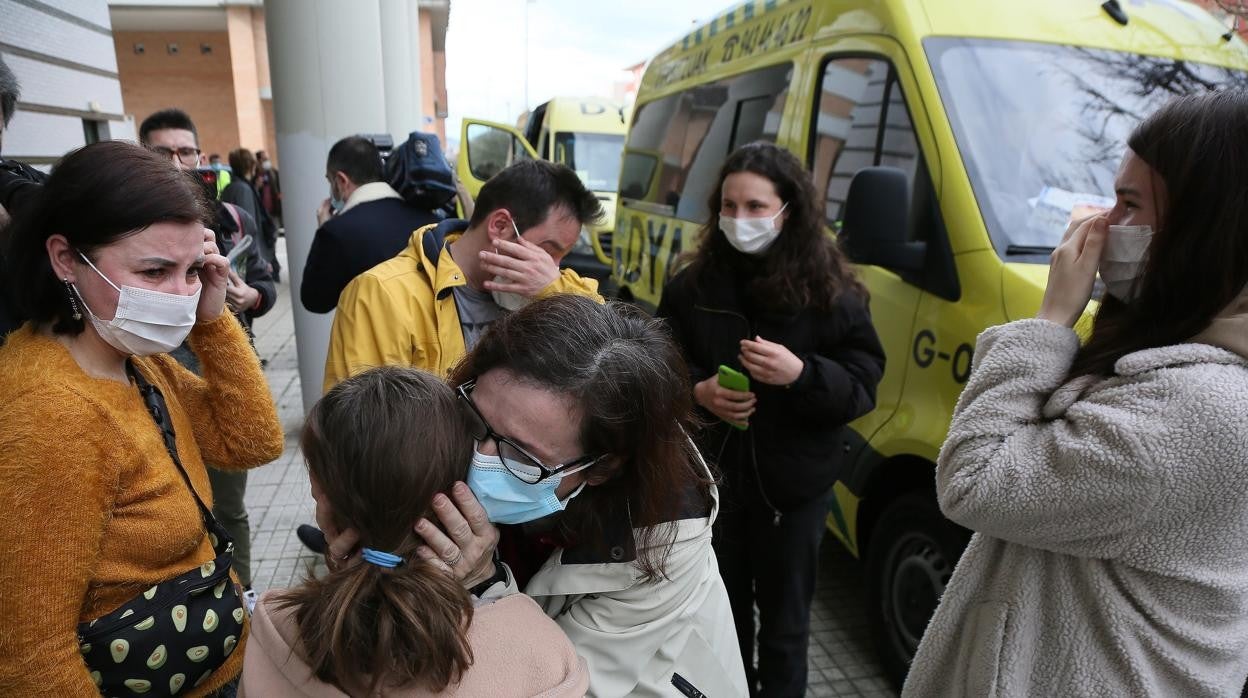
(876, 223)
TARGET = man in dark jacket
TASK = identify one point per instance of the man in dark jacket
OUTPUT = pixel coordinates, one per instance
(364, 223)
(170, 132)
(18, 185)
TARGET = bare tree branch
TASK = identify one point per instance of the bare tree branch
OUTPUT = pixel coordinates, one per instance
(1237, 8)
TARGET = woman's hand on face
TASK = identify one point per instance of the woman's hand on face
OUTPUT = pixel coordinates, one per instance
(466, 549)
(732, 406)
(769, 362)
(1072, 270)
(213, 277)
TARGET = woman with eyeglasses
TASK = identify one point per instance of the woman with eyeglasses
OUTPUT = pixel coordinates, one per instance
(579, 413)
(379, 446)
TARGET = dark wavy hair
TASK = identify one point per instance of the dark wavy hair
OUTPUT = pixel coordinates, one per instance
(381, 444)
(804, 268)
(627, 375)
(1197, 145)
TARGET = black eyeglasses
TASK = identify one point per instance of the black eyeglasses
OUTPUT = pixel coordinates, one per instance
(519, 462)
(188, 156)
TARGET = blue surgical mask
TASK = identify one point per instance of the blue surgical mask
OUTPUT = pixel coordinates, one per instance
(508, 500)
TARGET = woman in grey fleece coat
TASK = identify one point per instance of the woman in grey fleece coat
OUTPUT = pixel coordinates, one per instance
(1108, 484)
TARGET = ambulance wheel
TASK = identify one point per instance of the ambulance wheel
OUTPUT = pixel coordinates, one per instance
(910, 559)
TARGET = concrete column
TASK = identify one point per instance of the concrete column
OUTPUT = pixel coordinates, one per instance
(400, 63)
(326, 63)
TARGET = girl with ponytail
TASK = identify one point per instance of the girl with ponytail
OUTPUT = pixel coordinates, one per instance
(379, 446)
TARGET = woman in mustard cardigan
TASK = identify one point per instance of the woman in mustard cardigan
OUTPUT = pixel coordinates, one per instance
(113, 575)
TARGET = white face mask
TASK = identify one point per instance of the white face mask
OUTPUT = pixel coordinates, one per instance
(1122, 262)
(146, 322)
(508, 300)
(751, 235)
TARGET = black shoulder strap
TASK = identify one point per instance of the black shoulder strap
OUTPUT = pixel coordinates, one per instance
(434, 240)
(156, 407)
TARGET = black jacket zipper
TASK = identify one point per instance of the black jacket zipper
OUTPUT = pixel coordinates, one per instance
(758, 479)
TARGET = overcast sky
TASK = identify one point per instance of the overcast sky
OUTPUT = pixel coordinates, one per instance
(576, 47)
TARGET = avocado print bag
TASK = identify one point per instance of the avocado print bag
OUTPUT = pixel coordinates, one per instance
(177, 633)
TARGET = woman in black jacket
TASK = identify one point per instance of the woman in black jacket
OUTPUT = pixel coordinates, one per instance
(769, 294)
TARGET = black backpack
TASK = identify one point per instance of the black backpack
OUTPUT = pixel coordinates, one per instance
(419, 172)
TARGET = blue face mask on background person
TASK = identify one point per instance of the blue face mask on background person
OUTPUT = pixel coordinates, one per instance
(335, 203)
(508, 500)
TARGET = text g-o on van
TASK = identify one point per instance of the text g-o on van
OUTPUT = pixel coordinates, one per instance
(584, 133)
(953, 142)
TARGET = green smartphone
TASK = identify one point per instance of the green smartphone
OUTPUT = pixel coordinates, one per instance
(734, 380)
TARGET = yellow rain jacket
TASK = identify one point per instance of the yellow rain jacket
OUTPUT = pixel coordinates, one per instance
(402, 312)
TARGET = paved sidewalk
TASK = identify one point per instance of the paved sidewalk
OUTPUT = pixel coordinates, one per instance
(842, 661)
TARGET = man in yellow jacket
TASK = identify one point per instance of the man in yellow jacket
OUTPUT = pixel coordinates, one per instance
(427, 307)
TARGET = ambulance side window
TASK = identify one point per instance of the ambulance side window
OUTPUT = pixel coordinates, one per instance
(677, 143)
(860, 121)
(543, 145)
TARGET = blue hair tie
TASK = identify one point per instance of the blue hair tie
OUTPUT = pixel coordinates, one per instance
(388, 560)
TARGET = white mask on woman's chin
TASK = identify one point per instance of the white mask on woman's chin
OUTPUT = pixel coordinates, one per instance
(145, 322)
(751, 235)
(1122, 262)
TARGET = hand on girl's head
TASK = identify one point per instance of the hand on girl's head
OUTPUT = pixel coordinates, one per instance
(464, 544)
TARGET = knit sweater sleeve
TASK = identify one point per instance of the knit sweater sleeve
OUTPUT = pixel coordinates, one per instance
(231, 410)
(58, 483)
(1081, 483)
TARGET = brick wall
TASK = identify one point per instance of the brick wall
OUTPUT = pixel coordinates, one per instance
(200, 84)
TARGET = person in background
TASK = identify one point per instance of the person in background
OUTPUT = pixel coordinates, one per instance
(172, 134)
(19, 184)
(363, 223)
(241, 192)
(1104, 480)
(269, 186)
(213, 162)
(769, 294)
(379, 447)
(249, 295)
(104, 436)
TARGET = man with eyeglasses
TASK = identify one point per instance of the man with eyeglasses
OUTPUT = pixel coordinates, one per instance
(170, 133)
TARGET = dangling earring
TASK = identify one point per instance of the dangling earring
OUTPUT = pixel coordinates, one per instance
(73, 300)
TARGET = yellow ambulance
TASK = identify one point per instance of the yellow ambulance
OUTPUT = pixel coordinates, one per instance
(584, 133)
(952, 141)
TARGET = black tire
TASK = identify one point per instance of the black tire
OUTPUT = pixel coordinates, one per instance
(912, 553)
